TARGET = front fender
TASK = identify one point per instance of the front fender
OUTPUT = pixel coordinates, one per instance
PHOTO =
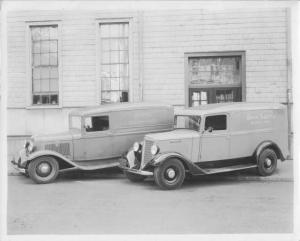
(40, 153)
(190, 166)
(130, 157)
(160, 158)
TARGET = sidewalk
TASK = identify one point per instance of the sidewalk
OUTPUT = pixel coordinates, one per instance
(284, 173)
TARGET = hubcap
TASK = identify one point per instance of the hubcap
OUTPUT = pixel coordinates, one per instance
(268, 162)
(43, 169)
(171, 173)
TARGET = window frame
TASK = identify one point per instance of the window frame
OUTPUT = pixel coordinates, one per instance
(91, 133)
(29, 24)
(189, 86)
(100, 21)
(70, 122)
(197, 116)
(216, 131)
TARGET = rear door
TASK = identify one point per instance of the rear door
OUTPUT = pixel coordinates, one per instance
(215, 140)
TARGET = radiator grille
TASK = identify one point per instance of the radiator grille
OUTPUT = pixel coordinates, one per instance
(147, 156)
(62, 148)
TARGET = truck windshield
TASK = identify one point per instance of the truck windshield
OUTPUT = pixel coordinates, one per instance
(187, 122)
(75, 122)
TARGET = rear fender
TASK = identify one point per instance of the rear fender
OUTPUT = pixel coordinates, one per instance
(271, 145)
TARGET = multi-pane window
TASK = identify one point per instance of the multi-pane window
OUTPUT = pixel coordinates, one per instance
(215, 79)
(114, 42)
(215, 70)
(44, 64)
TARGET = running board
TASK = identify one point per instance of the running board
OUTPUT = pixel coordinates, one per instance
(95, 165)
(228, 168)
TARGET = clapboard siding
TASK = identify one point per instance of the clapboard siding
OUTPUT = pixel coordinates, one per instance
(160, 39)
(77, 57)
(261, 34)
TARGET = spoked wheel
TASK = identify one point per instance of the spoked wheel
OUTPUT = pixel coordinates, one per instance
(43, 170)
(267, 162)
(169, 175)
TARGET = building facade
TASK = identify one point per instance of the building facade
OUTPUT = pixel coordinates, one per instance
(61, 60)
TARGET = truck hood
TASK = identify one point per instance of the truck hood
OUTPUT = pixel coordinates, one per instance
(61, 136)
(171, 135)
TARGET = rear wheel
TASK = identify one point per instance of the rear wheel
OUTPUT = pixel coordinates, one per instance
(43, 169)
(267, 162)
(170, 174)
(134, 177)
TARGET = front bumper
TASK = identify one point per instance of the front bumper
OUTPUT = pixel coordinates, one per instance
(19, 162)
(17, 167)
(138, 172)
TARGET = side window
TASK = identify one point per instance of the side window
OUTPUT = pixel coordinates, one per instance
(96, 123)
(216, 123)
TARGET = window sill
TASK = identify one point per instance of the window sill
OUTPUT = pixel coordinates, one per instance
(43, 107)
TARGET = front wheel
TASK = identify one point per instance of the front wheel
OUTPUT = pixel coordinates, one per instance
(267, 162)
(170, 174)
(43, 170)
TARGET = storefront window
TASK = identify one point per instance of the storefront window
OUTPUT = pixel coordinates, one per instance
(215, 70)
(215, 78)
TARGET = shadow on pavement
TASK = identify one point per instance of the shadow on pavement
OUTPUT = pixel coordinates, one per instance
(190, 181)
(108, 173)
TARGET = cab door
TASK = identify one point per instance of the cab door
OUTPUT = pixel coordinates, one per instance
(96, 142)
(215, 139)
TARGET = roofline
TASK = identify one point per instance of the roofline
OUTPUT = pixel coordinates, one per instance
(117, 107)
(232, 107)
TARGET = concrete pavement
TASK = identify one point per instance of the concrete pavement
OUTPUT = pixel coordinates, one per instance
(111, 204)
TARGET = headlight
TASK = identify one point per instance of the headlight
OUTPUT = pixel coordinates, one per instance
(136, 146)
(154, 149)
(28, 146)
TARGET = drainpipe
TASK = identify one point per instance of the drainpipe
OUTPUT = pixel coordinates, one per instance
(289, 93)
(141, 55)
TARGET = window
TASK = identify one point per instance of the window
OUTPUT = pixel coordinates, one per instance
(96, 123)
(114, 42)
(215, 123)
(187, 122)
(75, 122)
(215, 78)
(44, 64)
